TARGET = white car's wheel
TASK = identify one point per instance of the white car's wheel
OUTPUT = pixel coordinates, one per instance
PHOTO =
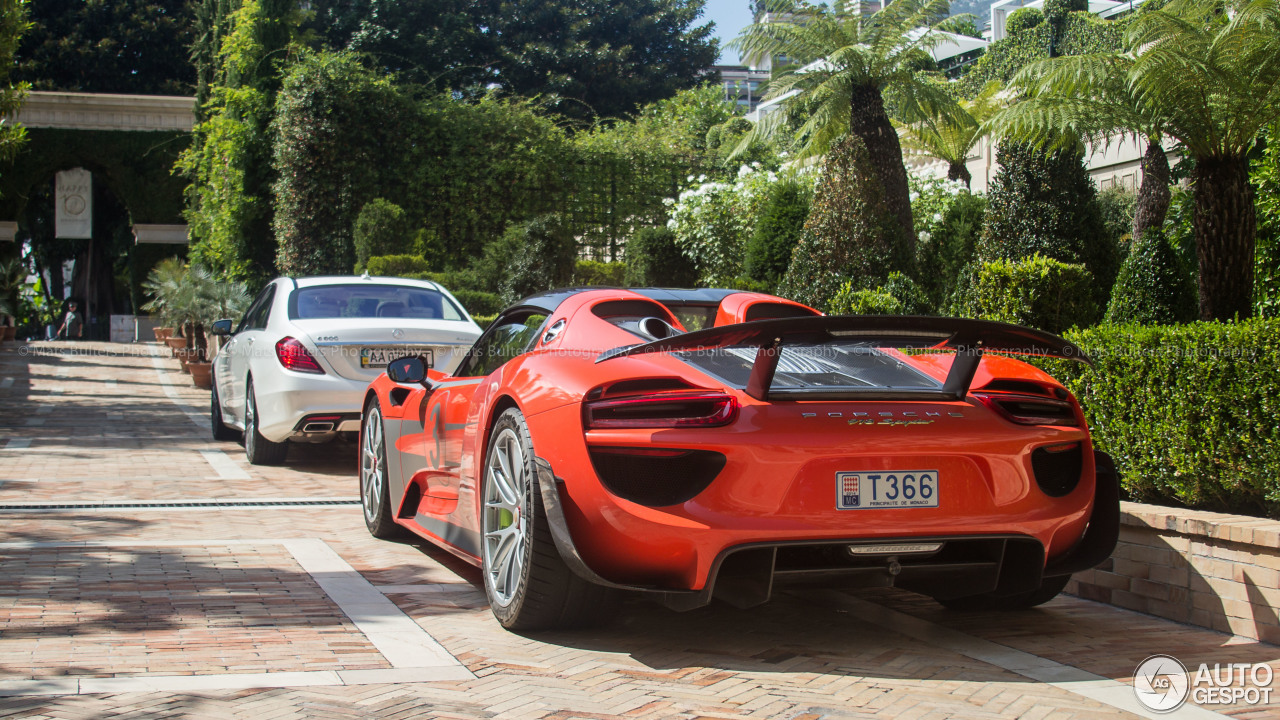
(258, 449)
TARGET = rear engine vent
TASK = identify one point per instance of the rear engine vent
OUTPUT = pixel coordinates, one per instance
(1058, 468)
(1017, 386)
(656, 477)
(661, 410)
(639, 387)
(1025, 410)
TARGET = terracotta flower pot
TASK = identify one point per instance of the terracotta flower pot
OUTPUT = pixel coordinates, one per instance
(10, 333)
(163, 333)
(201, 374)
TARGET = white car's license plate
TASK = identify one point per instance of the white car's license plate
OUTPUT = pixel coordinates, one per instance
(896, 489)
(379, 357)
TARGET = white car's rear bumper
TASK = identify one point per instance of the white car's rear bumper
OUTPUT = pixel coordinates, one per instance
(287, 397)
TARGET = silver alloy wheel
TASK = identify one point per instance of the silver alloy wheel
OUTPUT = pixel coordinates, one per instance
(371, 464)
(505, 517)
(250, 420)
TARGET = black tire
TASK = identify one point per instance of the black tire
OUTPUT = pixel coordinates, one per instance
(375, 486)
(258, 449)
(1048, 590)
(542, 592)
(220, 429)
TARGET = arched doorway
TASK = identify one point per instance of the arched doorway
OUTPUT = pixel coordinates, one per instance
(129, 144)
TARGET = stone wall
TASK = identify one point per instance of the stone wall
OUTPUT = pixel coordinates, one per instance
(1209, 569)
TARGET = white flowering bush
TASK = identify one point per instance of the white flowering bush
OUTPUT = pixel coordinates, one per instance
(948, 220)
(712, 220)
(931, 198)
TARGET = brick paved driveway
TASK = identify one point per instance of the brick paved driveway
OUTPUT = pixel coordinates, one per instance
(149, 572)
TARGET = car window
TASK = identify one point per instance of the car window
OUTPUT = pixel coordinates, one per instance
(372, 301)
(255, 318)
(693, 317)
(513, 336)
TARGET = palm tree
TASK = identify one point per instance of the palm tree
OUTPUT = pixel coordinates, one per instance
(1088, 96)
(851, 65)
(951, 138)
(1203, 72)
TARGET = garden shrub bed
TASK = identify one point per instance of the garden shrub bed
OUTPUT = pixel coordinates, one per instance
(1191, 413)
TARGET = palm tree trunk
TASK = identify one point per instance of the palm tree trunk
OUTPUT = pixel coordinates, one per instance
(1226, 226)
(1153, 194)
(870, 123)
(959, 171)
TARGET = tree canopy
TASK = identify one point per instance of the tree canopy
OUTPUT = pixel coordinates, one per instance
(110, 46)
(585, 58)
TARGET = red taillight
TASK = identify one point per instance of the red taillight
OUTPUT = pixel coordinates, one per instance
(293, 355)
(664, 410)
(1028, 410)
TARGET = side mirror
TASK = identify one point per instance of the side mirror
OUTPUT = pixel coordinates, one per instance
(407, 370)
(221, 328)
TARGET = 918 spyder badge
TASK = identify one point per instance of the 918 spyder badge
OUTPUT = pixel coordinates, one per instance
(898, 489)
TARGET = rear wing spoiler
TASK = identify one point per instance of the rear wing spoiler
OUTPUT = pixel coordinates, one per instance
(969, 338)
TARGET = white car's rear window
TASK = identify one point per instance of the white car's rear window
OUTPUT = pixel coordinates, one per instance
(371, 301)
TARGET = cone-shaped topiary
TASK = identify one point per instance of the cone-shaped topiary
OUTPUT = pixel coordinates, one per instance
(546, 257)
(1154, 288)
(777, 231)
(1045, 204)
(850, 234)
(653, 259)
(381, 229)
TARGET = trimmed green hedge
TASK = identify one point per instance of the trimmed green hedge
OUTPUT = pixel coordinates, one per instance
(591, 272)
(1191, 413)
(478, 302)
(1036, 292)
(397, 266)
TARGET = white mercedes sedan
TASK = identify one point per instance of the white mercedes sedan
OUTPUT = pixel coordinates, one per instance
(296, 367)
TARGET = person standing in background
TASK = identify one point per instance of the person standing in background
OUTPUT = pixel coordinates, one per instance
(73, 325)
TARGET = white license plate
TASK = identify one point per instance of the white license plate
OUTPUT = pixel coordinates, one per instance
(379, 357)
(897, 489)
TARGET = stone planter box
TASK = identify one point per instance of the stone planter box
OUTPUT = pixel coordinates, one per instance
(1209, 569)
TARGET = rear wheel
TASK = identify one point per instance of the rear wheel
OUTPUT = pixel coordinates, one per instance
(374, 486)
(220, 429)
(258, 449)
(528, 585)
(1048, 590)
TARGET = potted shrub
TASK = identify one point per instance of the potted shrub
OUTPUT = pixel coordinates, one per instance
(218, 300)
(163, 284)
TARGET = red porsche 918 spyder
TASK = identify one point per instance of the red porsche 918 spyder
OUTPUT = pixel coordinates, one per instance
(700, 444)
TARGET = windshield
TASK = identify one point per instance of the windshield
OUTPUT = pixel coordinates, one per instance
(371, 301)
(829, 366)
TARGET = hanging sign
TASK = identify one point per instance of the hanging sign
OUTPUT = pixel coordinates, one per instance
(74, 199)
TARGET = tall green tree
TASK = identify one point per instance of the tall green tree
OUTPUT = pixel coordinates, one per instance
(584, 58)
(439, 44)
(229, 200)
(951, 138)
(1208, 71)
(601, 58)
(1089, 96)
(850, 65)
(109, 46)
(13, 22)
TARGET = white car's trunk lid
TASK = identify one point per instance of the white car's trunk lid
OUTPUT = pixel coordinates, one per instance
(359, 348)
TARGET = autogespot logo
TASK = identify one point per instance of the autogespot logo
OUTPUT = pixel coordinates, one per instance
(1161, 683)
